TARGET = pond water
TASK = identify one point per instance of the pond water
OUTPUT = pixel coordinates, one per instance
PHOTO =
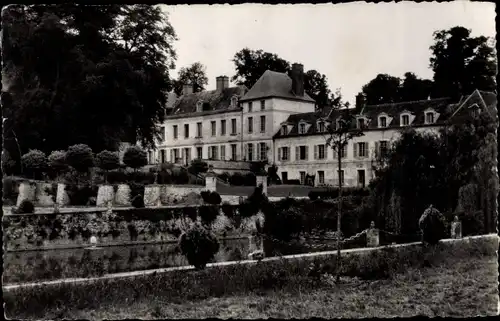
(33, 266)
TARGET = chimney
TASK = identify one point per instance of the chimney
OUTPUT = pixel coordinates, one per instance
(222, 82)
(298, 79)
(187, 89)
(360, 101)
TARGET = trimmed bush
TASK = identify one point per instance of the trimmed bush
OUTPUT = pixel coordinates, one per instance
(57, 162)
(135, 157)
(199, 246)
(208, 214)
(35, 162)
(198, 166)
(107, 161)
(80, 157)
(26, 207)
(211, 197)
(432, 224)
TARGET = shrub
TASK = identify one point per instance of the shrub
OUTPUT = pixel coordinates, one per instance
(108, 161)
(211, 197)
(198, 166)
(57, 161)
(432, 225)
(472, 222)
(26, 207)
(80, 157)
(35, 162)
(180, 176)
(135, 157)
(208, 214)
(138, 201)
(227, 209)
(116, 177)
(199, 246)
(237, 179)
(313, 195)
(8, 164)
(250, 179)
(224, 176)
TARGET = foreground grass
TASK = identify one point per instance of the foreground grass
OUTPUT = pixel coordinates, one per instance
(453, 279)
(458, 288)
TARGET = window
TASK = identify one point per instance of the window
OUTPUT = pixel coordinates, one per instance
(250, 125)
(263, 151)
(187, 155)
(343, 152)
(361, 123)
(284, 154)
(186, 130)
(233, 126)
(319, 152)
(383, 122)
(150, 157)
(321, 126)
(362, 152)
(302, 178)
(262, 124)
(250, 152)
(162, 133)
(429, 118)
(214, 128)
(223, 152)
(302, 128)
(301, 153)
(361, 178)
(250, 107)
(233, 152)
(405, 120)
(198, 130)
(163, 157)
(175, 155)
(199, 106)
(340, 175)
(321, 177)
(234, 101)
(212, 152)
(223, 127)
(199, 152)
(175, 132)
(262, 104)
(383, 148)
(284, 130)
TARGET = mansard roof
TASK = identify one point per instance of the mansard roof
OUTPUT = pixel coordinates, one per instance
(213, 100)
(274, 84)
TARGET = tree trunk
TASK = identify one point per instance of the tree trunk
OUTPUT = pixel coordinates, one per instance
(339, 211)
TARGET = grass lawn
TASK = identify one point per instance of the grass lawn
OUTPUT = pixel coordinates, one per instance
(455, 288)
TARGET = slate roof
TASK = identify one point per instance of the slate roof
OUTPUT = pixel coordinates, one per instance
(449, 110)
(213, 100)
(274, 84)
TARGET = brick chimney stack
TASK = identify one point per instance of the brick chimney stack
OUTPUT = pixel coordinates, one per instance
(187, 89)
(222, 82)
(297, 76)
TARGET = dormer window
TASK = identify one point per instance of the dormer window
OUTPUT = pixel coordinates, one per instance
(234, 101)
(361, 123)
(302, 128)
(284, 130)
(429, 118)
(474, 110)
(321, 126)
(199, 106)
(382, 121)
(250, 107)
(405, 120)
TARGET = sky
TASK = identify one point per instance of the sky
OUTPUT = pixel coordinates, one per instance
(350, 43)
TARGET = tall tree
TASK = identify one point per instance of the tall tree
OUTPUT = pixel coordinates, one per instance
(85, 74)
(413, 88)
(461, 63)
(195, 75)
(382, 89)
(251, 64)
(316, 86)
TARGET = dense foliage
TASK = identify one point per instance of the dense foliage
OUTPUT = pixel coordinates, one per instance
(35, 162)
(96, 74)
(199, 246)
(135, 157)
(432, 224)
(26, 207)
(57, 162)
(195, 75)
(80, 157)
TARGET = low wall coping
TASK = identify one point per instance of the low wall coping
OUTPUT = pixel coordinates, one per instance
(209, 265)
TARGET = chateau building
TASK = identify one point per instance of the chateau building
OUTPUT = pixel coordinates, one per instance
(276, 121)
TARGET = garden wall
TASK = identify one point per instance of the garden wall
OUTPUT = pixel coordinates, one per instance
(121, 227)
(229, 166)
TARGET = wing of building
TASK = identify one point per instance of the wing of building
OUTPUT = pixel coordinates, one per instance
(276, 121)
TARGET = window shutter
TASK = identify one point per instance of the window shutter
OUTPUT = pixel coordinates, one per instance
(258, 151)
(326, 151)
(367, 146)
(355, 145)
(279, 154)
(377, 149)
(297, 153)
(315, 151)
(307, 152)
